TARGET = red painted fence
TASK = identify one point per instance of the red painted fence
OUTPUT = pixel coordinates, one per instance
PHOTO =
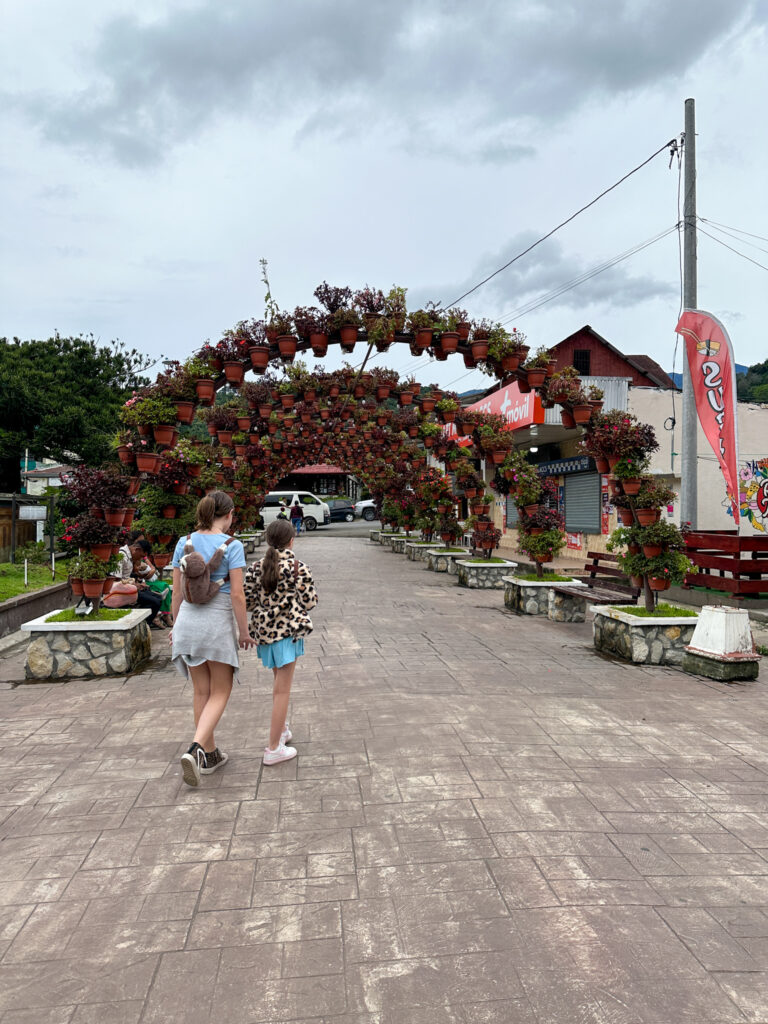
(727, 562)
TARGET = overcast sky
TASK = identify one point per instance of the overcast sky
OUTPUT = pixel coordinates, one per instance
(154, 151)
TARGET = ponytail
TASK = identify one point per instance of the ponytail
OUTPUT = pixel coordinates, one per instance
(213, 506)
(279, 535)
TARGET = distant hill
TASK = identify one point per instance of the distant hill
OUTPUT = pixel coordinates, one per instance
(740, 369)
(752, 386)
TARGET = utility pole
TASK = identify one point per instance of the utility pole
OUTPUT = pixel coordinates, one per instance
(689, 434)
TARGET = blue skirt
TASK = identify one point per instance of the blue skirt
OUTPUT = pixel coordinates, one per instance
(281, 652)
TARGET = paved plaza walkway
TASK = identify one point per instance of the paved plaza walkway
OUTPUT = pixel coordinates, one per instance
(487, 823)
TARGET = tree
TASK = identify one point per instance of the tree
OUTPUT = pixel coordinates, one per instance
(60, 399)
(752, 386)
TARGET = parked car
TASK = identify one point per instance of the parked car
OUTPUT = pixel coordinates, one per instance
(316, 512)
(366, 509)
(342, 510)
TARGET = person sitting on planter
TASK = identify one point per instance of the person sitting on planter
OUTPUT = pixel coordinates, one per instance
(129, 553)
(146, 571)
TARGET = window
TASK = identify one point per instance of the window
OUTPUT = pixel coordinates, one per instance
(308, 499)
(582, 502)
(581, 360)
(272, 501)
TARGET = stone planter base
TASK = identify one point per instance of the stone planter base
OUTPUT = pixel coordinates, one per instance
(444, 561)
(385, 539)
(251, 541)
(720, 669)
(417, 550)
(373, 536)
(76, 650)
(530, 597)
(651, 641)
(483, 575)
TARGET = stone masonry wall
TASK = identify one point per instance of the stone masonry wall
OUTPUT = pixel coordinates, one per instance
(67, 655)
(653, 644)
(482, 577)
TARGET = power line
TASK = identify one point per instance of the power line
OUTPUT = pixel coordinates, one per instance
(573, 216)
(714, 223)
(730, 247)
(586, 276)
(730, 234)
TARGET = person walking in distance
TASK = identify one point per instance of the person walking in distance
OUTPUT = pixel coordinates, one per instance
(297, 516)
(205, 628)
(279, 593)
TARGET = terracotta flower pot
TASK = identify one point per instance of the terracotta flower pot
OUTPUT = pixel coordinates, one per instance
(185, 411)
(658, 583)
(129, 516)
(423, 338)
(93, 588)
(646, 516)
(510, 363)
(259, 357)
(77, 586)
(195, 469)
(536, 376)
(531, 509)
(96, 511)
(582, 413)
(626, 517)
(601, 465)
(286, 346)
(567, 420)
(101, 551)
(134, 483)
(479, 349)
(651, 550)
(114, 516)
(147, 462)
(126, 455)
(162, 559)
(234, 371)
(348, 337)
(631, 486)
(405, 398)
(169, 511)
(224, 436)
(206, 390)
(449, 341)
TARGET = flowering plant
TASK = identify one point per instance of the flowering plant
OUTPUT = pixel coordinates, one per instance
(232, 347)
(542, 546)
(333, 298)
(369, 300)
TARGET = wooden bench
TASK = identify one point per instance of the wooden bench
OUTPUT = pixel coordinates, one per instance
(605, 583)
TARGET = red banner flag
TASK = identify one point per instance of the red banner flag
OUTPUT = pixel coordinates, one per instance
(710, 357)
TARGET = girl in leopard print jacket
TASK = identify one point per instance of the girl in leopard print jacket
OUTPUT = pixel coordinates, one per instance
(279, 593)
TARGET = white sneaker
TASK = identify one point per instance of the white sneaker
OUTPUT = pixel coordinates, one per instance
(280, 753)
(286, 736)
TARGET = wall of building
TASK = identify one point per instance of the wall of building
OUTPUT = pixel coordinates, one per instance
(603, 362)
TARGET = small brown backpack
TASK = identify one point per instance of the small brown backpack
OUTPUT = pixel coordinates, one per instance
(197, 587)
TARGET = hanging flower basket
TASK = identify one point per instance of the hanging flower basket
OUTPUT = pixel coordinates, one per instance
(626, 516)
(101, 551)
(169, 511)
(147, 462)
(185, 412)
(114, 516)
(631, 486)
(567, 419)
(163, 433)
(536, 377)
(582, 414)
(162, 559)
(206, 391)
(319, 344)
(449, 341)
(126, 455)
(93, 588)
(348, 337)
(646, 516)
(658, 583)
(259, 357)
(286, 346)
(479, 349)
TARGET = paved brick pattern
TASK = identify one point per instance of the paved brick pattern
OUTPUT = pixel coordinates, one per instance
(487, 823)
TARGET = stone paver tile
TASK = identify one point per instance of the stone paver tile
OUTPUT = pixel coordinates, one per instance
(68, 982)
(553, 844)
(586, 867)
(35, 890)
(661, 822)
(323, 889)
(183, 987)
(506, 1011)
(168, 906)
(749, 992)
(604, 891)
(236, 998)
(12, 920)
(258, 816)
(396, 986)
(136, 880)
(310, 957)
(54, 1015)
(287, 843)
(717, 864)
(709, 942)
(219, 928)
(646, 855)
(113, 909)
(522, 884)
(320, 864)
(54, 867)
(228, 885)
(736, 890)
(143, 937)
(285, 867)
(46, 933)
(180, 853)
(423, 878)
(742, 922)
(370, 929)
(108, 1013)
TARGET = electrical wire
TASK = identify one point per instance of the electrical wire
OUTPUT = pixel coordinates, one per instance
(730, 234)
(730, 247)
(741, 231)
(568, 220)
(542, 300)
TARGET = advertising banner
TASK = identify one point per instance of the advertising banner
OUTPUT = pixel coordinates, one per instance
(518, 410)
(710, 357)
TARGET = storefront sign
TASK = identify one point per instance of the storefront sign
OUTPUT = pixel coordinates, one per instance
(35, 513)
(710, 358)
(517, 409)
(578, 464)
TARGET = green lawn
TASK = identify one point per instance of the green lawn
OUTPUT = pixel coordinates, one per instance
(12, 578)
(662, 610)
(102, 615)
(546, 578)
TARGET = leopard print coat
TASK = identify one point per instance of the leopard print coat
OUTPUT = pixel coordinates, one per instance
(283, 613)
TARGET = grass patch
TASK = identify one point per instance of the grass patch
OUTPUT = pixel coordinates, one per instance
(662, 611)
(487, 561)
(102, 615)
(546, 578)
(762, 649)
(12, 578)
(454, 550)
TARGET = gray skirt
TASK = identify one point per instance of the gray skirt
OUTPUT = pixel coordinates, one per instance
(205, 632)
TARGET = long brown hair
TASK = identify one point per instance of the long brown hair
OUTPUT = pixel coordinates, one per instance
(212, 506)
(279, 535)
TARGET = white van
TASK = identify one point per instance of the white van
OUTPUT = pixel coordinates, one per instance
(316, 512)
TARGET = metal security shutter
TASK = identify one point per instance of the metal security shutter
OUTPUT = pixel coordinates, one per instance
(582, 502)
(511, 515)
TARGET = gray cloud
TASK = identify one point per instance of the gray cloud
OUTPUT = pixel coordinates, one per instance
(437, 72)
(546, 269)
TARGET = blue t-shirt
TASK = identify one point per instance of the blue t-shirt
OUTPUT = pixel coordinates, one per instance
(206, 544)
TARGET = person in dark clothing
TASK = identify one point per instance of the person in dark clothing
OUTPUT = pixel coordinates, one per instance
(297, 516)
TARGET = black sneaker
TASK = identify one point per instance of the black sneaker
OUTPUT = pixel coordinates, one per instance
(192, 764)
(213, 759)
